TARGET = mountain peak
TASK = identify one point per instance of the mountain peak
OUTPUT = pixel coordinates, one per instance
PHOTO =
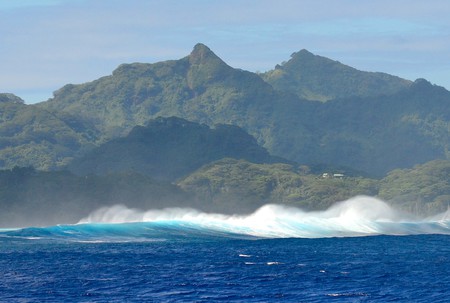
(200, 47)
(205, 67)
(202, 53)
(425, 86)
(302, 53)
(420, 82)
(318, 78)
(306, 57)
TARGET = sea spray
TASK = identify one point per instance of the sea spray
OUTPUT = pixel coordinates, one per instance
(359, 216)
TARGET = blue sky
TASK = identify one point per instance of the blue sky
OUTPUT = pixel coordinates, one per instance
(45, 44)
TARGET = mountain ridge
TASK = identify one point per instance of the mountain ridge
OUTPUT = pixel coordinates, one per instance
(345, 131)
(314, 77)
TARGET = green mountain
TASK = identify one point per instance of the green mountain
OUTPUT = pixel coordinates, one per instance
(30, 135)
(200, 87)
(376, 123)
(378, 134)
(318, 78)
(129, 136)
(170, 148)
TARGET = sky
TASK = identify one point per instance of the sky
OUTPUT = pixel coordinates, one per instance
(45, 44)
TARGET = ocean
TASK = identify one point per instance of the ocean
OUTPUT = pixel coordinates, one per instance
(357, 251)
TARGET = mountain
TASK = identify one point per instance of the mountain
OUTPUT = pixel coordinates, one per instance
(197, 132)
(318, 78)
(375, 124)
(170, 148)
(200, 87)
(34, 136)
(378, 134)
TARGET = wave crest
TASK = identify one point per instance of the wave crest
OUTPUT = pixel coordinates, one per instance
(358, 216)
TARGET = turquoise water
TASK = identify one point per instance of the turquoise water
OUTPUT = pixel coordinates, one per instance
(358, 251)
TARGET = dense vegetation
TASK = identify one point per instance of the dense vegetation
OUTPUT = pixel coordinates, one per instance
(170, 148)
(378, 134)
(33, 136)
(374, 123)
(199, 87)
(377, 122)
(424, 189)
(230, 185)
(321, 79)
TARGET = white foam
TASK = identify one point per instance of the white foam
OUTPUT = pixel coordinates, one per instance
(358, 216)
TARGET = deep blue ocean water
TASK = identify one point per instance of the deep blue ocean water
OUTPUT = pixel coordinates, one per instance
(274, 255)
(360, 269)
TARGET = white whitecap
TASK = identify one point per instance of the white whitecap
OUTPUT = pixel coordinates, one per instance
(359, 216)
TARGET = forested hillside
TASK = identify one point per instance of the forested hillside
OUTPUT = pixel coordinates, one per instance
(171, 148)
(389, 123)
(33, 136)
(318, 78)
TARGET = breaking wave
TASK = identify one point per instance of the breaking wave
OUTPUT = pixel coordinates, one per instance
(359, 216)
